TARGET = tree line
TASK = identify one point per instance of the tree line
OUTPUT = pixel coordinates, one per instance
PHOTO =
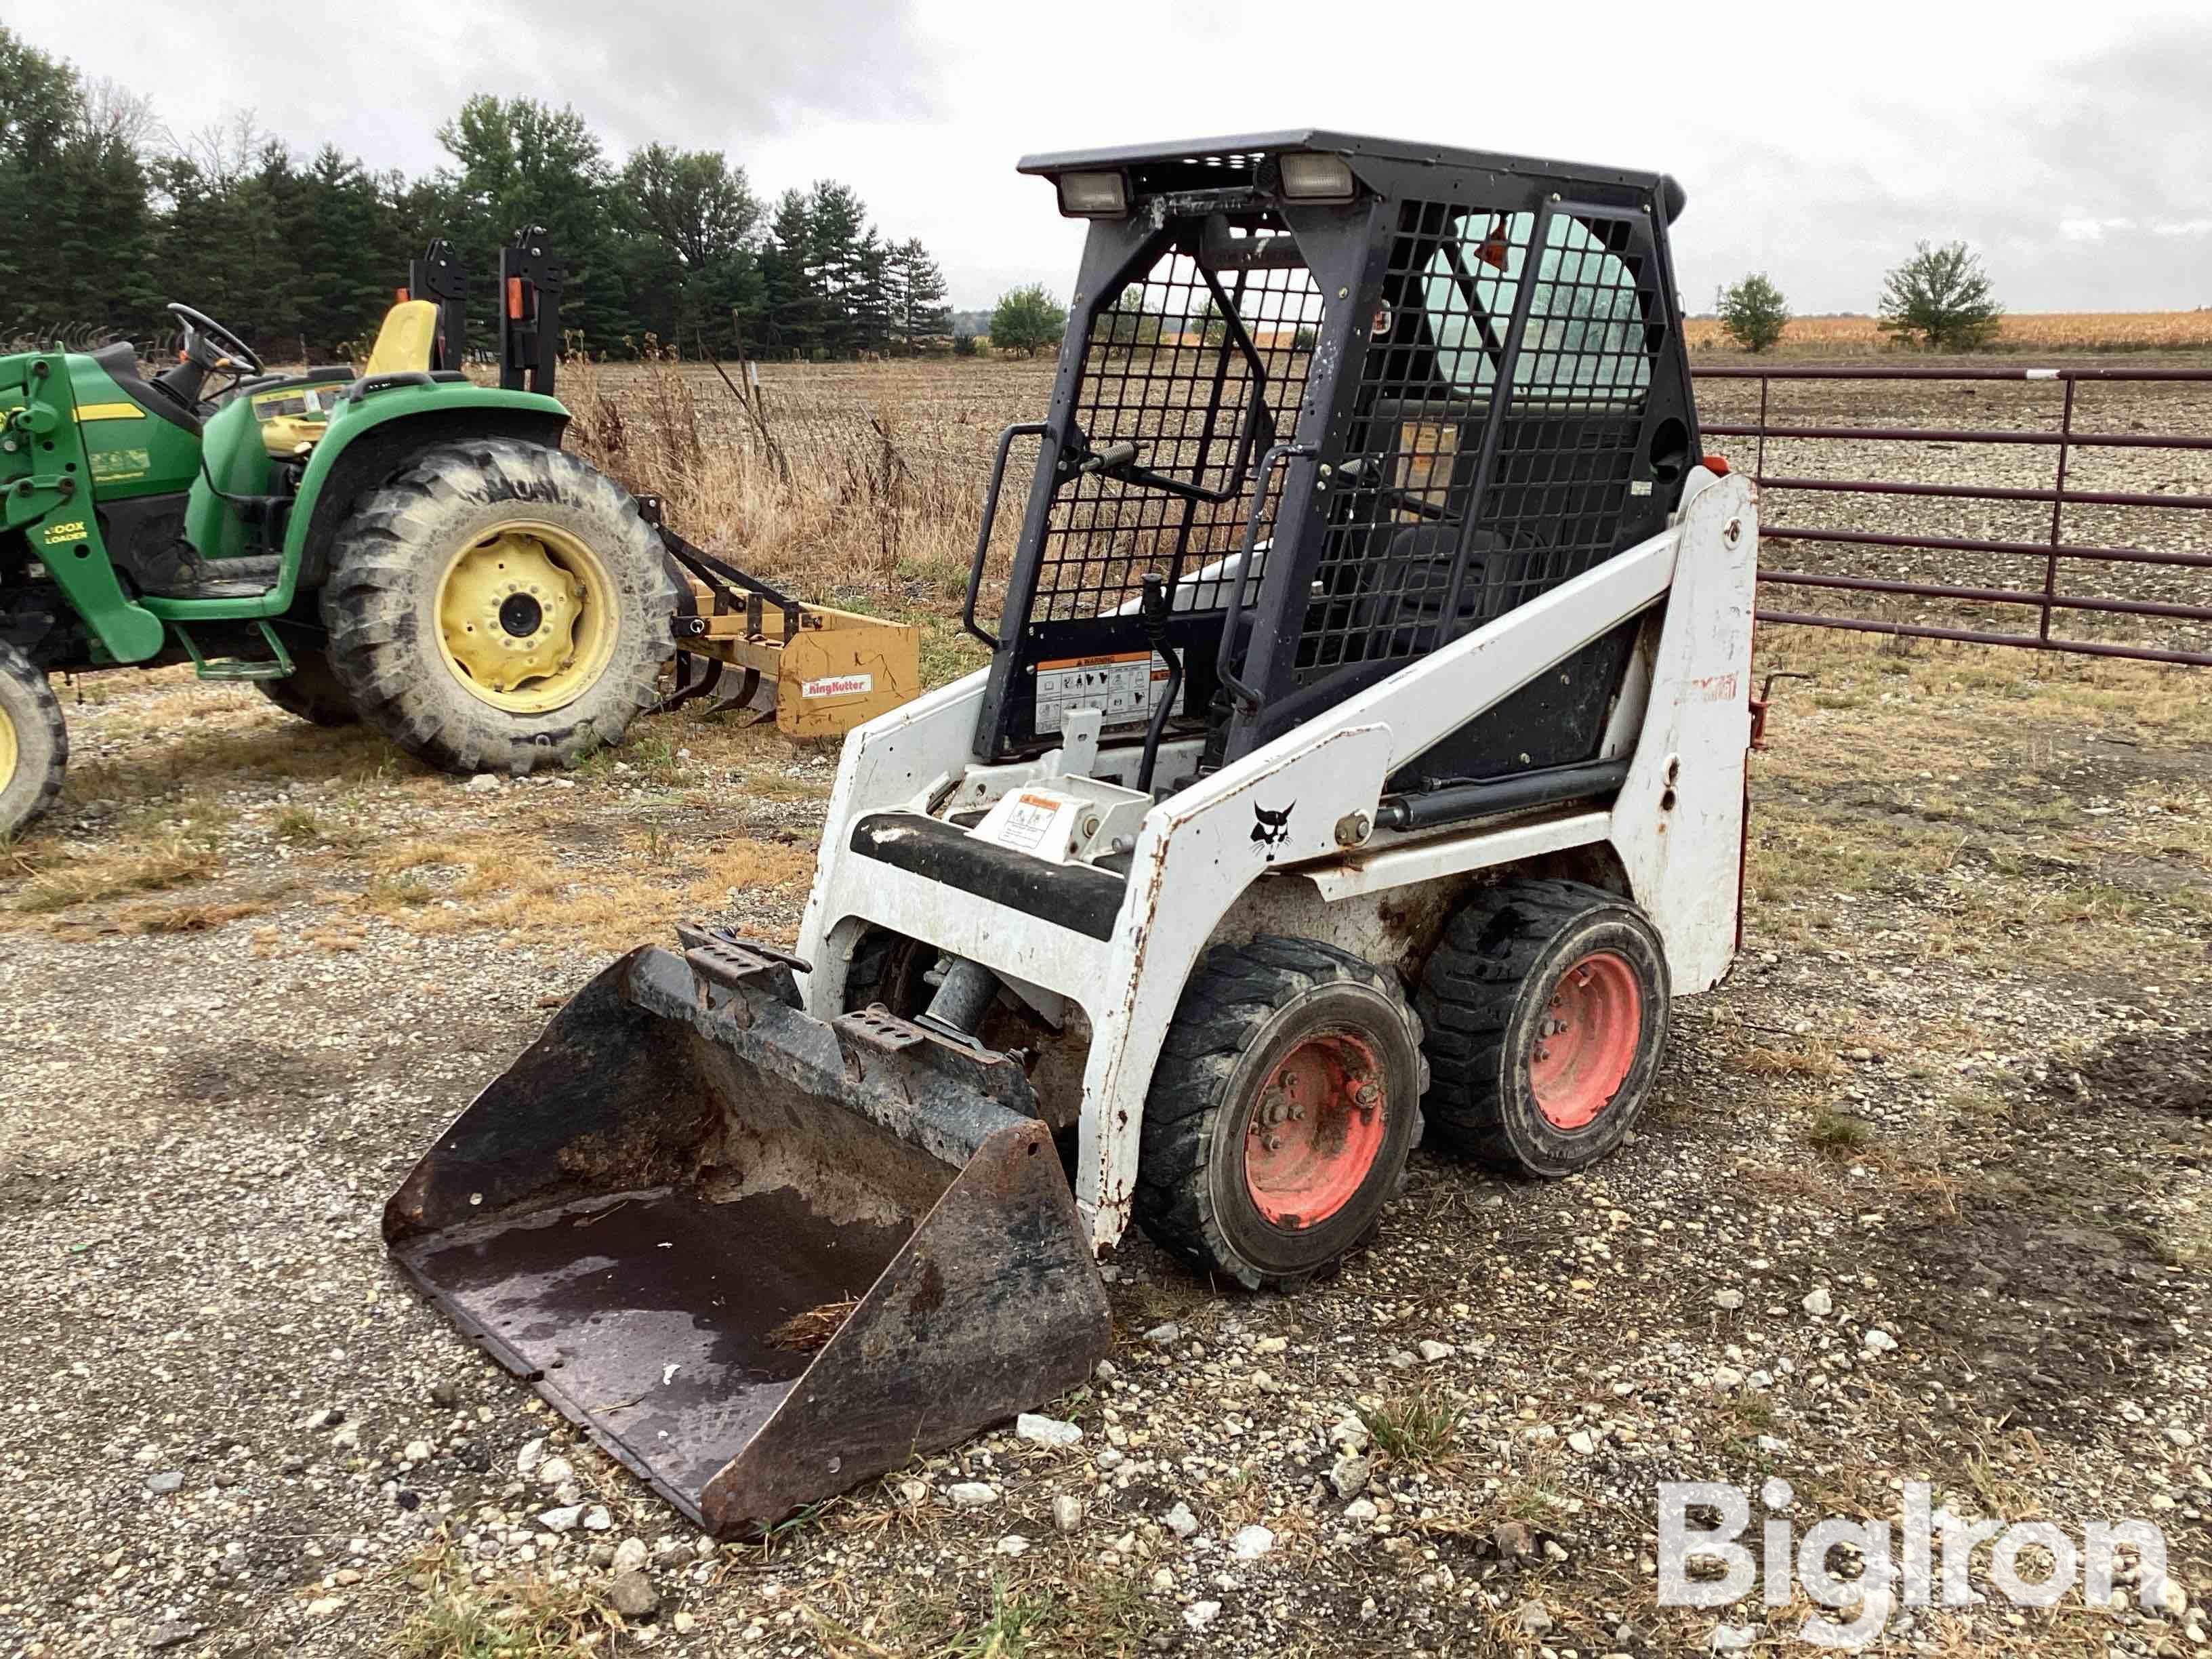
(1941, 300)
(114, 217)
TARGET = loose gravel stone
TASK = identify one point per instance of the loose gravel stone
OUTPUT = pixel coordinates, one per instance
(632, 1595)
(1348, 1476)
(972, 1494)
(1045, 1431)
(1251, 1543)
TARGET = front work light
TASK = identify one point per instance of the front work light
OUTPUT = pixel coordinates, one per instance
(1311, 176)
(1093, 195)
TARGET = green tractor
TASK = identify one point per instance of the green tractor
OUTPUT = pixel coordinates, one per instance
(397, 545)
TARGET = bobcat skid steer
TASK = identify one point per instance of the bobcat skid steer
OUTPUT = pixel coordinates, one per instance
(1364, 743)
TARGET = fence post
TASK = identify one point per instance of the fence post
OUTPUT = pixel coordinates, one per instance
(1759, 466)
(2057, 512)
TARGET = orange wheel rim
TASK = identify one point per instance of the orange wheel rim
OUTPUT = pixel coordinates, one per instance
(1314, 1130)
(1586, 1039)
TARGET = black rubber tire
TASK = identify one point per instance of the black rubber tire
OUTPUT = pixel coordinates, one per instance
(380, 605)
(34, 715)
(887, 968)
(1484, 991)
(311, 690)
(1243, 1009)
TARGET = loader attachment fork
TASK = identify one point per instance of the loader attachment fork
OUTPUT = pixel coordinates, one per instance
(635, 1214)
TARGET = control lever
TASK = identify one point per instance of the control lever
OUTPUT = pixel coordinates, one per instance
(1152, 609)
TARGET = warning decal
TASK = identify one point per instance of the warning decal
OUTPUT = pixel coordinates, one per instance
(1125, 688)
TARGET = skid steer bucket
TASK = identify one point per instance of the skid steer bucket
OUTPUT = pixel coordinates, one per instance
(684, 1165)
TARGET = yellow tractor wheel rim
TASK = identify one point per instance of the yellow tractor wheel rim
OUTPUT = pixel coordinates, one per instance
(527, 617)
(10, 752)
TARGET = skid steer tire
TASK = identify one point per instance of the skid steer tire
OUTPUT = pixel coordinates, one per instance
(33, 743)
(1265, 1196)
(499, 606)
(1546, 1006)
(311, 690)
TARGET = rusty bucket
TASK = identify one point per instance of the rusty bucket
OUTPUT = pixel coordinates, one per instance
(686, 1178)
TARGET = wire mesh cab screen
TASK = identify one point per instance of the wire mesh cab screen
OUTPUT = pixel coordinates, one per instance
(1481, 395)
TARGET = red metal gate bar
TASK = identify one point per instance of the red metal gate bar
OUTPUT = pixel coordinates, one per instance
(1814, 372)
(1790, 532)
(2049, 602)
(1989, 492)
(1987, 595)
(1975, 636)
(1908, 435)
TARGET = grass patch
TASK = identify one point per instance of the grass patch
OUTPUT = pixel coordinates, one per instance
(1839, 1133)
(1418, 1428)
(510, 1617)
(116, 873)
(301, 826)
(1081, 1612)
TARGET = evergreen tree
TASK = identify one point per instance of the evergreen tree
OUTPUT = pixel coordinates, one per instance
(918, 294)
(302, 256)
(792, 305)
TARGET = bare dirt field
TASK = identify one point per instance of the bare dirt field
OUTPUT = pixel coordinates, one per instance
(1926, 1193)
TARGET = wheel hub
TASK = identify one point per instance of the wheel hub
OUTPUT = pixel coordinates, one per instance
(1585, 1040)
(10, 754)
(516, 618)
(1314, 1130)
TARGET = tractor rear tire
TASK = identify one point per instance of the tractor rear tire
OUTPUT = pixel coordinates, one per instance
(33, 742)
(311, 690)
(1288, 1095)
(1546, 1005)
(499, 606)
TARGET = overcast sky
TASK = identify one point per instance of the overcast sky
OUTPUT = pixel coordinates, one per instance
(1818, 143)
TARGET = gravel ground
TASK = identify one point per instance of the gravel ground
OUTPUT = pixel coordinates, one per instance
(1925, 1194)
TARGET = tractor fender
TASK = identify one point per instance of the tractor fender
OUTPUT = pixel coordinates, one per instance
(370, 440)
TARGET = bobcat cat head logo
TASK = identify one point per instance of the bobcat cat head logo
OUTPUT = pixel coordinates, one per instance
(1272, 829)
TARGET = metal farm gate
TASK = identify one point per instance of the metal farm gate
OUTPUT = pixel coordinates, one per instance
(2152, 604)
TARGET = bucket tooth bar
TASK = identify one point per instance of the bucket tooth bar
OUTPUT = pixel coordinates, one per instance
(684, 1162)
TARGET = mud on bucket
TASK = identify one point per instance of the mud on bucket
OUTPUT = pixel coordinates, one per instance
(646, 1214)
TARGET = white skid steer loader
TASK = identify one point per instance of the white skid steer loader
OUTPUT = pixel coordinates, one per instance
(1364, 740)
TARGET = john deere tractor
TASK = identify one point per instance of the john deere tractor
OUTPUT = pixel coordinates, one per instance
(396, 544)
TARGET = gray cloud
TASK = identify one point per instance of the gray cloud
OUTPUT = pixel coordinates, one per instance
(2083, 186)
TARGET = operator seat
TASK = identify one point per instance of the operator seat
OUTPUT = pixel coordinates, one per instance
(404, 343)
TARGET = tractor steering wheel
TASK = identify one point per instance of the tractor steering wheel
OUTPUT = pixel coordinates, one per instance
(202, 331)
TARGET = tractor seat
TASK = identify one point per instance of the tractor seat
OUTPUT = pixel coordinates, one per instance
(406, 342)
(404, 345)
